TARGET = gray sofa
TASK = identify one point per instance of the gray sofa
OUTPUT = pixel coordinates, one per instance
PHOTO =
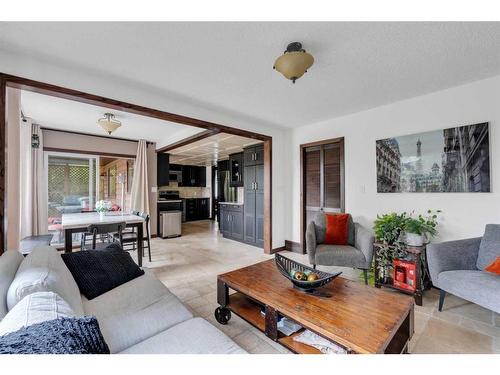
(358, 253)
(457, 267)
(141, 316)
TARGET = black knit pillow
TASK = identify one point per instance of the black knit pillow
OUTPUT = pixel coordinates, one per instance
(59, 336)
(98, 271)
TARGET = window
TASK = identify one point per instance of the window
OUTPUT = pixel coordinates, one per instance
(71, 187)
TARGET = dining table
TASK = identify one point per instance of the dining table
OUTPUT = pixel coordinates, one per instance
(79, 222)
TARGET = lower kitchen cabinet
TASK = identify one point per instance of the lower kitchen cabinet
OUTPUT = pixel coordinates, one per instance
(231, 221)
(197, 209)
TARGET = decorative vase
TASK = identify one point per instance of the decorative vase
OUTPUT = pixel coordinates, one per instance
(101, 215)
(414, 239)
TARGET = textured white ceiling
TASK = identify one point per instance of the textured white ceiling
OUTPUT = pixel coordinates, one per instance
(210, 150)
(63, 114)
(229, 65)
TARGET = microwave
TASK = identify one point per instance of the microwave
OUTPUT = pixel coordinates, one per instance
(175, 176)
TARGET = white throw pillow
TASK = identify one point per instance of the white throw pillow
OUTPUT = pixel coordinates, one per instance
(35, 308)
(9, 263)
(43, 270)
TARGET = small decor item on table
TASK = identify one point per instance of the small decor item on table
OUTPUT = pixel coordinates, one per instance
(405, 275)
(302, 277)
(102, 207)
(420, 228)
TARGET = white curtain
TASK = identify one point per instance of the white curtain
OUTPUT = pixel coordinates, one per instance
(139, 195)
(33, 191)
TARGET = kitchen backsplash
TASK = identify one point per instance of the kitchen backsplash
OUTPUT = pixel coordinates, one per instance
(187, 191)
(198, 192)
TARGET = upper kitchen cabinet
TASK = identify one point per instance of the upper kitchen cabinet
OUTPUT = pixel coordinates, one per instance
(162, 163)
(194, 176)
(236, 169)
(253, 155)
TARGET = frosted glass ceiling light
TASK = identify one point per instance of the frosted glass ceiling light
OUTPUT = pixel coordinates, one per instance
(109, 123)
(294, 62)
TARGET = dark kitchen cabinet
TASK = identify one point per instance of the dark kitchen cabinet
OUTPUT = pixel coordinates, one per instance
(163, 171)
(253, 155)
(231, 221)
(175, 168)
(236, 169)
(225, 223)
(193, 175)
(197, 209)
(253, 222)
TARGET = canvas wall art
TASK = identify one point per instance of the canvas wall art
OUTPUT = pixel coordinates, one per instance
(448, 160)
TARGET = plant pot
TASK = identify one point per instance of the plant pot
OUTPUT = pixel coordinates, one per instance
(414, 239)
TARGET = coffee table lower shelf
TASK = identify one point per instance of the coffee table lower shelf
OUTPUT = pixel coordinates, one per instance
(250, 311)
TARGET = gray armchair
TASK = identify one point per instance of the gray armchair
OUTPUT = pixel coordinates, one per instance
(357, 254)
(457, 267)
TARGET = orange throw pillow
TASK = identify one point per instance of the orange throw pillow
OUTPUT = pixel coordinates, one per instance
(336, 229)
(494, 267)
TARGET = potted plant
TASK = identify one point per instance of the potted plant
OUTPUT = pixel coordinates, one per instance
(102, 207)
(421, 228)
(389, 230)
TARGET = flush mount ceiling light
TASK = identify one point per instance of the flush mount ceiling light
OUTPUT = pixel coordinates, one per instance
(108, 123)
(294, 62)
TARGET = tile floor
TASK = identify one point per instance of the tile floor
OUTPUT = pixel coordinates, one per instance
(189, 265)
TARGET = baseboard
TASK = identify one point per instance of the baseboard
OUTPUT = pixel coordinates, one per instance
(294, 246)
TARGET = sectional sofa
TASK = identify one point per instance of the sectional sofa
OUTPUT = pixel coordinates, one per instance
(140, 316)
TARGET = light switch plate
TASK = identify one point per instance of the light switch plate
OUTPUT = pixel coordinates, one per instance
(154, 189)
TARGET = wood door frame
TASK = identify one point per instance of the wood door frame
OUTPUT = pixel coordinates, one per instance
(340, 141)
(7, 80)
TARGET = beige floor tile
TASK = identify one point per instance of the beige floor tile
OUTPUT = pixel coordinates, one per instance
(496, 345)
(420, 322)
(468, 310)
(264, 348)
(486, 329)
(459, 339)
(247, 340)
(233, 328)
(427, 345)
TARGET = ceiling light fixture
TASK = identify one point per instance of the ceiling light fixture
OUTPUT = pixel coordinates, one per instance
(109, 123)
(294, 62)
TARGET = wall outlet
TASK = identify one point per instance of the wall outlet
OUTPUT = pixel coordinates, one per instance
(154, 189)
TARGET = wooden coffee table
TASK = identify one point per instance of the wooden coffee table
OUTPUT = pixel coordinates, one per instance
(357, 317)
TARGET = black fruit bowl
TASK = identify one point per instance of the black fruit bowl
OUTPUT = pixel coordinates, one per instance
(285, 266)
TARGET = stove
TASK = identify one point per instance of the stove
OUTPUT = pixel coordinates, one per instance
(169, 196)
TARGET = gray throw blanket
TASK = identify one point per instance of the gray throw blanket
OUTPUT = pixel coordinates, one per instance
(59, 336)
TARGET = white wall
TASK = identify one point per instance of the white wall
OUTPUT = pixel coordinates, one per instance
(464, 214)
(93, 82)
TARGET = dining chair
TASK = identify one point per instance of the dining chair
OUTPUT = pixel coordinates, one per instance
(129, 239)
(94, 230)
(132, 229)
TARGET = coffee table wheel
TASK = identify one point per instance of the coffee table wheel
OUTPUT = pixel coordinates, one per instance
(222, 315)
